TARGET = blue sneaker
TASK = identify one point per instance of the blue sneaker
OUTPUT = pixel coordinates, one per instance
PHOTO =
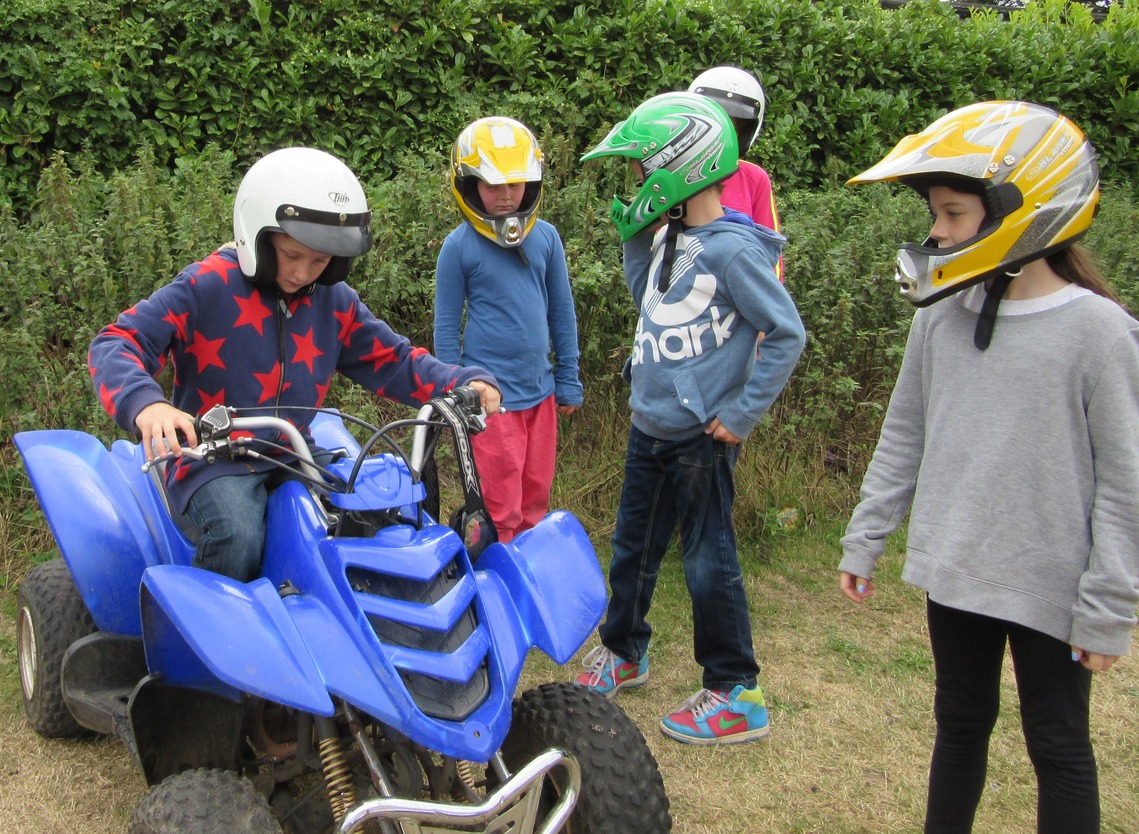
(717, 717)
(609, 673)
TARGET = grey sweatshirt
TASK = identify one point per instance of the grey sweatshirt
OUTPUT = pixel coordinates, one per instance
(1021, 464)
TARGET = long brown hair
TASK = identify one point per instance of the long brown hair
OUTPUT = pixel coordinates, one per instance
(1076, 265)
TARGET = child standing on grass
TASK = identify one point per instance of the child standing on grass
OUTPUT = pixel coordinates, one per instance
(507, 268)
(1012, 438)
(706, 287)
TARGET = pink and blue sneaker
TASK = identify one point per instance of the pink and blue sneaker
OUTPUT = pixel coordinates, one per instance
(718, 717)
(609, 673)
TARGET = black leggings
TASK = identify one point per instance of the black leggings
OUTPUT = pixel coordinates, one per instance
(1054, 690)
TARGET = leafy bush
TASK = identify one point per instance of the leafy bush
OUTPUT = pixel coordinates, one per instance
(370, 81)
(96, 243)
(124, 130)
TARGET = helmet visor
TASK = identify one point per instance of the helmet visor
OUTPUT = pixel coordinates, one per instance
(736, 105)
(333, 233)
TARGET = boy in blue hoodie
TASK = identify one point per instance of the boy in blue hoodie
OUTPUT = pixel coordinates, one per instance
(705, 282)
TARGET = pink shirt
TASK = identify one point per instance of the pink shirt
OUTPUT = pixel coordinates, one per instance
(749, 190)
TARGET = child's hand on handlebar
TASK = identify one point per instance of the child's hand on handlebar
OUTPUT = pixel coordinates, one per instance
(159, 424)
(489, 396)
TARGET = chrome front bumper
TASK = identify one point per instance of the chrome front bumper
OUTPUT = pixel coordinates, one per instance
(514, 807)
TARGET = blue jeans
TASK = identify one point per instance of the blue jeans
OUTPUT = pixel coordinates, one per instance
(686, 482)
(230, 512)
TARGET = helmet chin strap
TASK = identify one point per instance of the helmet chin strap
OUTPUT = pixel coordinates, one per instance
(983, 335)
(675, 223)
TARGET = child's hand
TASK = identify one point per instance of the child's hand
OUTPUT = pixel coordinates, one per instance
(857, 588)
(1093, 661)
(718, 432)
(567, 409)
(159, 424)
(489, 396)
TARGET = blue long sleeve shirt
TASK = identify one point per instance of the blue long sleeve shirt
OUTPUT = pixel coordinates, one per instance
(515, 314)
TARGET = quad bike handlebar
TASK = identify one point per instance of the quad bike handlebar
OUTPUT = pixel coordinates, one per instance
(226, 434)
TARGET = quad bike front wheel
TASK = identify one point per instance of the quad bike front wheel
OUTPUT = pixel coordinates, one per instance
(51, 616)
(203, 801)
(622, 789)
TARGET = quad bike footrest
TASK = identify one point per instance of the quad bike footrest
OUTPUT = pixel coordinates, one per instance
(99, 674)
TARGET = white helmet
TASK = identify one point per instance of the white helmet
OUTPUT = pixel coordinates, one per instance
(741, 96)
(309, 195)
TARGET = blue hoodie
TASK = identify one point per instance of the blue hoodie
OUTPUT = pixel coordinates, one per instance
(694, 354)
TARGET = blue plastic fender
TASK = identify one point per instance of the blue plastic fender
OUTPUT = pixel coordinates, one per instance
(96, 520)
(554, 581)
(203, 629)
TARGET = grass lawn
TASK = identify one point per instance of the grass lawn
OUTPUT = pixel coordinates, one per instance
(849, 689)
(850, 692)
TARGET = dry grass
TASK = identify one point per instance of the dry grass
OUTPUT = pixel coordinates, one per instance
(849, 691)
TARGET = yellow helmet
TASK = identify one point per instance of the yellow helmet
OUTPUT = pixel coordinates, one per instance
(1035, 171)
(497, 150)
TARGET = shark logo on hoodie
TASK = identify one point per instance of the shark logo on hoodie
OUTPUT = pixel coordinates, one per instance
(680, 326)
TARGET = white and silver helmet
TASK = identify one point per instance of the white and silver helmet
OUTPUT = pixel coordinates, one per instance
(309, 195)
(741, 96)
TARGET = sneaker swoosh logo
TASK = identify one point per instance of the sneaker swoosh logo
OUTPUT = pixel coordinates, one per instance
(627, 672)
(726, 724)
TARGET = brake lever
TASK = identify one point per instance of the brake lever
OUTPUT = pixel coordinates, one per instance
(476, 422)
(209, 451)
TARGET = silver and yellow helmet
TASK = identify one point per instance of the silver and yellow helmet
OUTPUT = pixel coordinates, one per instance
(497, 150)
(1035, 171)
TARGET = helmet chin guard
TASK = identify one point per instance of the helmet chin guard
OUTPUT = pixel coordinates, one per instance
(312, 197)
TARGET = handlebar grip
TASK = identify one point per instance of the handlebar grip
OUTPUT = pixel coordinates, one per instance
(467, 397)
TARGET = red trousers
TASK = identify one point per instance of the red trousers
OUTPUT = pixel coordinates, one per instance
(515, 458)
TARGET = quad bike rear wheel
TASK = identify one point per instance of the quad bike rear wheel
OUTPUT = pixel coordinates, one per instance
(51, 616)
(622, 789)
(203, 801)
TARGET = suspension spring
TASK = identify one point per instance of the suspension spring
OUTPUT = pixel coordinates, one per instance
(337, 777)
(466, 773)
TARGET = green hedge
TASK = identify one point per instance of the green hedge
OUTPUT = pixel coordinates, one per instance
(367, 81)
(97, 243)
(125, 127)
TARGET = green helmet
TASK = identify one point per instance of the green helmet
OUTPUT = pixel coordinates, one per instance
(684, 142)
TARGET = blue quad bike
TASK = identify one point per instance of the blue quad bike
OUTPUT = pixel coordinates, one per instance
(364, 682)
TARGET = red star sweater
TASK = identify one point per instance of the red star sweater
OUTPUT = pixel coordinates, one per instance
(230, 341)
